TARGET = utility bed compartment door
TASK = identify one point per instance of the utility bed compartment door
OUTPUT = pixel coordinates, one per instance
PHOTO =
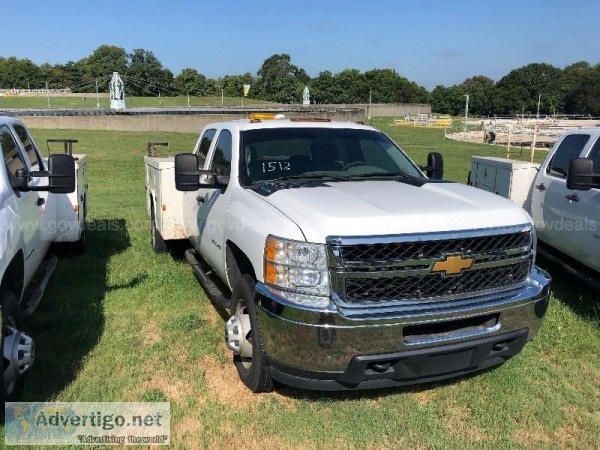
(164, 198)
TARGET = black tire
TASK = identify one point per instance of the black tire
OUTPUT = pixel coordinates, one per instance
(254, 373)
(79, 246)
(11, 315)
(158, 243)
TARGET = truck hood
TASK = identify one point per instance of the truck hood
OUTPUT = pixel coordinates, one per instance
(373, 207)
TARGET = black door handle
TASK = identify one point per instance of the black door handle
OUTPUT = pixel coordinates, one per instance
(572, 197)
(40, 201)
(200, 199)
(541, 187)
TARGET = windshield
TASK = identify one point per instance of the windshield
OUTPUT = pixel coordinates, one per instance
(339, 154)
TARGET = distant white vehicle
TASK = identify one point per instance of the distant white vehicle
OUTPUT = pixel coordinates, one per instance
(562, 195)
(341, 265)
(40, 202)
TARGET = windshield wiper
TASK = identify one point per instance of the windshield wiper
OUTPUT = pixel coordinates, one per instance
(380, 174)
(308, 176)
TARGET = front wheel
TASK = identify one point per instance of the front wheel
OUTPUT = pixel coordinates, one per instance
(17, 348)
(243, 337)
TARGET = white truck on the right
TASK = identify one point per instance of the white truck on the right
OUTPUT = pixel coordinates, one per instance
(562, 195)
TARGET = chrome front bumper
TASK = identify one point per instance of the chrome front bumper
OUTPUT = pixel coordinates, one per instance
(325, 343)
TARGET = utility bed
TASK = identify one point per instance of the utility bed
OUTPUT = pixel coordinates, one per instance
(160, 184)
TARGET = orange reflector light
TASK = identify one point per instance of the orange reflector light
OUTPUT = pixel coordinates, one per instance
(164, 207)
(270, 273)
(265, 116)
(270, 246)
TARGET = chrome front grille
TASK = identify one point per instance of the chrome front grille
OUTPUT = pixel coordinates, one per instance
(400, 267)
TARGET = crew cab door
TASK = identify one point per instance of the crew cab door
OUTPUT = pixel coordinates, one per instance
(583, 211)
(193, 201)
(212, 204)
(552, 211)
(28, 207)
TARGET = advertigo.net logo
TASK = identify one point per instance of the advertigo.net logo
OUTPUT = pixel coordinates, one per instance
(80, 423)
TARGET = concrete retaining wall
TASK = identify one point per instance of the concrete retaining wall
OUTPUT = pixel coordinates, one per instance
(189, 123)
(390, 109)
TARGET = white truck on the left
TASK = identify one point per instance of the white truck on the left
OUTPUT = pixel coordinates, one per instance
(40, 203)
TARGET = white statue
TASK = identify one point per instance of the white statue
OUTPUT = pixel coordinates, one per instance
(117, 92)
(306, 96)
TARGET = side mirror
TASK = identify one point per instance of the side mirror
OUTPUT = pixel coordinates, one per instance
(61, 174)
(187, 175)
(20, 181)
(435, 166)
(580, 176)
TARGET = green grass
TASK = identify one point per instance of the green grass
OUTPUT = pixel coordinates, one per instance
(121, 323)
(132, 102)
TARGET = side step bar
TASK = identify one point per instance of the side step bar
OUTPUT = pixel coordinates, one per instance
(211, 288)
(36, 296)
(571, 270)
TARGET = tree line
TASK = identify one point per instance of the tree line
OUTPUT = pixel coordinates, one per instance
(572, 90)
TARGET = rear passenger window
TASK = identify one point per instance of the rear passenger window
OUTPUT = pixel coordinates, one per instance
(569, 148)
(10, 152)
(222, 156)
(29, 146)
(205, 143)
(595, 156)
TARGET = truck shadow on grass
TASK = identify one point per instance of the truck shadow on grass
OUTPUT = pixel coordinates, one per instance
(70, 321)
(576, 295)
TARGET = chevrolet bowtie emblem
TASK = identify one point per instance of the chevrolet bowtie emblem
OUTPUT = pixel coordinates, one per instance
(453, 265)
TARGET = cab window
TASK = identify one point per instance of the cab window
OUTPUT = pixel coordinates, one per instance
(221, 160)
(595, 156)
(205, 143)
(29, 146)
(10, 151)
(571, 147)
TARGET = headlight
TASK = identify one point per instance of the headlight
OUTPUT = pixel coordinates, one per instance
(296, 266)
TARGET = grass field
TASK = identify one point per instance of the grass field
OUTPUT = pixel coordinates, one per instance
(132, 102)
(124, 324)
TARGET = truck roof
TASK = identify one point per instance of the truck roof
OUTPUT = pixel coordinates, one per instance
(9, 120)
(590, 131)
(248, 124)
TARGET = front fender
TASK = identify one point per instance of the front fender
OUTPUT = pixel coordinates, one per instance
(11, 237)
(250, 220)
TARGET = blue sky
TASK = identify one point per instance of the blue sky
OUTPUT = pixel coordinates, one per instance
(429, 42)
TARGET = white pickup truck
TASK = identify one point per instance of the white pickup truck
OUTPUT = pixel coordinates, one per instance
(41, 201)
(562, 196)
(342, 265)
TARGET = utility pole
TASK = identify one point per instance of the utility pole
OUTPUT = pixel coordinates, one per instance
(188, 99)
(369, 109)
(47, 94)
(222, 99)
(466, 111)
(97, 96)
(538, 110)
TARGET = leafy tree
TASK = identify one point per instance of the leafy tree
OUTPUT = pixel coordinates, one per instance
(147, 76)
(279, 80)
(103, 61)
(352, 86)
(447, 100)
(19, 73)
(481, 93)
(583, 96)
(519, 90)
(189, 81)
(324, 88)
